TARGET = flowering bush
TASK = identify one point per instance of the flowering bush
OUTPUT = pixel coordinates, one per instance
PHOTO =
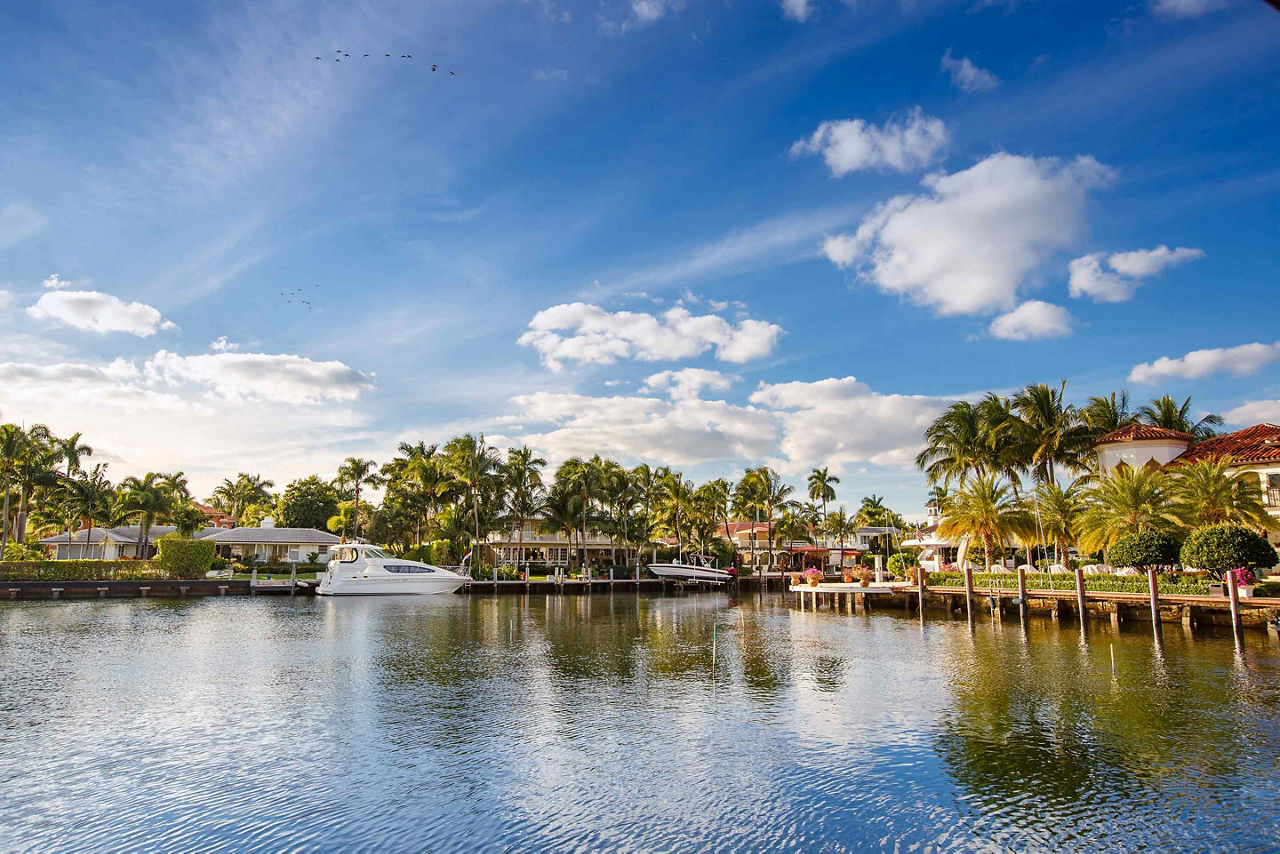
(810, 574)
(1244, 576)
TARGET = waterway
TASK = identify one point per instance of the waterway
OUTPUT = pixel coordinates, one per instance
(628, 722)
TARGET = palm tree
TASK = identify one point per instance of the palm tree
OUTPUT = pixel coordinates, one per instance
(36, 469)
(840, 526)
(12, 445)
(822, 487)
(984, 509)
(1058, 513)
(955, 445)
(1055, 435)
(234, 496)
(175, 486)
(188, 519)
(1006, 440)
(676, 505)
(647, 486)
(522, 474)
(1166, 413)
(560, 513)
(713, 499)
(89, 498)
(1206, 492)
(359, 472)
(764, 488)
(145, 499)
(1125, 501)
(581, 478)
(474, 462)
(1106, 414)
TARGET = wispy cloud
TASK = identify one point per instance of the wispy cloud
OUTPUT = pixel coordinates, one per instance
(19, 221)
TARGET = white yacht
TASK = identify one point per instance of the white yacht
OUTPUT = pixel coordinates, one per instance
(701, 568)
(365, 570)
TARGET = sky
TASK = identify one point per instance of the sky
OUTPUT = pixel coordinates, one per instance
(703, 233)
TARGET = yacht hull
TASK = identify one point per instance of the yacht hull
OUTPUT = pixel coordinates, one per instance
(388, 586)
(684, 572)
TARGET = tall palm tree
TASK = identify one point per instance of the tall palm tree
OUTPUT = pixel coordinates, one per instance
(676, 506)
(1124, 501)
(13, 443)
(841, 527)
(475, 463)
(647, 485)
(1104, 414)
(36, 469)
(176, 487)
(359, 472)
(822, 487)
(1058, 512)
(713, 498)
(1207, 492)
(234, 496)
(1168, 414)
(1055, 435)
(764, 488)
(560, 513)
(984, 509)
(1006, 440)
(955, 445)
(522, 474)
(145, 499)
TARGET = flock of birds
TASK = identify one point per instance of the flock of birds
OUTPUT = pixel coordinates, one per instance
(296, 293)
(341, 56)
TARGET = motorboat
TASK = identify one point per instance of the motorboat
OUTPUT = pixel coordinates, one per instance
(357, 569)
(699, 568)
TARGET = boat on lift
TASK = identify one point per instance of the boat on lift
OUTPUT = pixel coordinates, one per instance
(359, 569)
(697, 568)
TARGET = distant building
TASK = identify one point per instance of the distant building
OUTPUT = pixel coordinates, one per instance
(124, 542)
(537, 546)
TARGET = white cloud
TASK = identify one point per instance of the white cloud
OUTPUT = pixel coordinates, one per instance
(842, 422)
(966, 76)
(6, 300)
(642, 14)
(550, 74)
(969, 244)
(1031, 320)
(1186, 8)
(587, 334)
(1239, 361)
(688, 383)
(53, 283)
(903, 144)
(94, 311)
(797, 10)
(272, 378)
(677, 432)
(18, 221)
(1090, 277)
(189, 424)
(222, 345)
(1254, 412)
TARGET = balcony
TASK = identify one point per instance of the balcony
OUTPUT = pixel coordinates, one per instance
(1271, 496)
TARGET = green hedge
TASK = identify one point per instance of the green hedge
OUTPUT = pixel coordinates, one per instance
(1100, 583)
(180, 558)
(79, 570)
(1217, 548)
(1144, 549)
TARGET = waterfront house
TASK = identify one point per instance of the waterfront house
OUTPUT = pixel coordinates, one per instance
(536, 546)
(120, 543)
(125, 542)
(1254, 453)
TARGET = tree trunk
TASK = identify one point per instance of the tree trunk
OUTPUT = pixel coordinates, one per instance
(4, 520)
(355, 515)
(520, 551)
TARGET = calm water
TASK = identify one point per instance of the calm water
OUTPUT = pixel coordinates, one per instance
(588, 723)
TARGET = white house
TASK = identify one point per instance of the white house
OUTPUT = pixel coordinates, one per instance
(110, 543)
(287, 544)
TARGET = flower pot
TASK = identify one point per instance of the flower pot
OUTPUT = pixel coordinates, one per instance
(1245, 591)
(814, 581)
(796, 579)
(865, 582)
(847, 578)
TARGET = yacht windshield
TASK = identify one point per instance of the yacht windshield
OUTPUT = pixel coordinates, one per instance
(377, 553)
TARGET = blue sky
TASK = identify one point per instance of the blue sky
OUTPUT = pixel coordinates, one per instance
(704, 233)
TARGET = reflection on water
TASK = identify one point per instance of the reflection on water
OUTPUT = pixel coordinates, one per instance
(605, 722)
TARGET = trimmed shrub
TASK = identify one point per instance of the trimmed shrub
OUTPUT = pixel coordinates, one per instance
(900, 562)
(181, 558)
(78, 570)
(1187, 584)
(1144, 550)
(1217, 548)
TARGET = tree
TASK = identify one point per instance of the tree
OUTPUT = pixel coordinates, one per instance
(984, 510)
(145, 500)
(1125, 500)
(676, 506)
(822, 487)
(188, 519)
(358, 472)
(1217, 548)
(1058, 513)
(840, 527)
(763, 491)
(89, 498)
(1104, 415)
(954, 445)
(308, 502)
(1166, 413)
(233, 496)
(1054, 434)
(474, 462)
(522, 475)
(1144, 550)
(35, 470)
(1207, 492)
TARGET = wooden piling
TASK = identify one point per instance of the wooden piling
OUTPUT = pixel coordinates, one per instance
(1234, 595)
(1022, 593)
(968, 591)
(293, 579)
(1081, 604)
(1153, 587)
(920, 587)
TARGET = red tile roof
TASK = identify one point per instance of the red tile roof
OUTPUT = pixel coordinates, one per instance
(1141, 432)
(1256, 444)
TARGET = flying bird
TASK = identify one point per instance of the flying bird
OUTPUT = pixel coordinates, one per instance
(433, 68)
(317, 57)
(452, 74)
(347, 55)
(386, 54)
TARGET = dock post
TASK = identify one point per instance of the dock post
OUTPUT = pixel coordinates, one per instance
(56, 591)
(968, 591)
(102, 592)
(1153, 586)
(253, 582)
(920, 588)
(222, 590)
(1117, 615)
(182, 591)
(1234, 594)
(293, 578)
(1081, 604)
(14, 591)
(1188, 617)
(143, 591)
(1022, 594)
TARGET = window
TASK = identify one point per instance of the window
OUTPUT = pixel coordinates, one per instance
(377, 553)
(405, 568)
(345, 555)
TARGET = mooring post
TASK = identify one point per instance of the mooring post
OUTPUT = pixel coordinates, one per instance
(1154, 587)
(14, 591)
(102, 592)
(968, 591)
(56, 591)
(143, 591)
(253, 582)
(293, 578)
(1234, 594)
(1081, 605)
(1022, 593)
(182, 590)
(920, 587)
(222, 590)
